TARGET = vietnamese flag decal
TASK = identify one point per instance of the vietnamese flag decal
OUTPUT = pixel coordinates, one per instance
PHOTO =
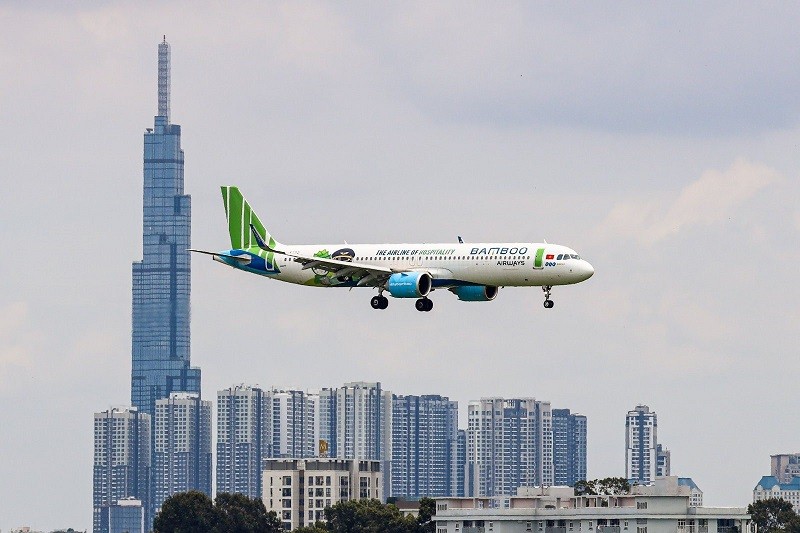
(550, 256)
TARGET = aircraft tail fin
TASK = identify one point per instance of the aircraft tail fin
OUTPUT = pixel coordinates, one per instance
(240, 219)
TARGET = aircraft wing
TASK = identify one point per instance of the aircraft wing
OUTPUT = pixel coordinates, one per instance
(366, 274)
(371, 275)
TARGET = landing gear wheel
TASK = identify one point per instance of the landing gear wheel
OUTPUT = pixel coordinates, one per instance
(424, 304)
(548, 303)
(379, 302)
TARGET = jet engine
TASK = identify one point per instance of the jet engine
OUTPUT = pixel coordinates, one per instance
(409, 284)
(475, 293)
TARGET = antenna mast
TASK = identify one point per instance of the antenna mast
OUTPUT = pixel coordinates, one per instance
(163, 79)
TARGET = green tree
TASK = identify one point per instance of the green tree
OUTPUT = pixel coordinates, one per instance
(368, 516)
(604, 487)
(186, 512)
(774, 515)
(194, 512)
(236, 513)
(427, 508)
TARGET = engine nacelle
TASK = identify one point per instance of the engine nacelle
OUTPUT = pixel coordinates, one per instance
(409, 284)
(475, 293)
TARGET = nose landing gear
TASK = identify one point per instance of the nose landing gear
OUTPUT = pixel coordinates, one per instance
(548, 303)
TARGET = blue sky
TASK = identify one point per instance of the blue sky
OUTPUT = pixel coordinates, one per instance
(660, 141)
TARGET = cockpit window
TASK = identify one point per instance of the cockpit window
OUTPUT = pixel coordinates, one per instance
(559, 257)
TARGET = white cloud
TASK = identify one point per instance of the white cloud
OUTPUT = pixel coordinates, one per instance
(709, 200)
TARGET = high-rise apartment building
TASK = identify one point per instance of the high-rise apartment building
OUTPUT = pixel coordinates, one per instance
(462, 475)
(121, 461)
(161, 280)
(182, 455)
(244, 436)
(509, 445)
(785, 466)
(326, 413)
(363, 421)
(641, 458)
(663, 460)
(424, 447)
(569, 447)
(295, 424)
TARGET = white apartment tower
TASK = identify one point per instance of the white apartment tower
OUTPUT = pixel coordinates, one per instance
(299, 490)
(182, 446)
(641, 457)
(243, 439)
(121, 461)
(295, 424)
(509, 445)
(363, 421)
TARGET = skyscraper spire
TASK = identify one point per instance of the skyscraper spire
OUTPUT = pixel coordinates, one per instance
(163, 79)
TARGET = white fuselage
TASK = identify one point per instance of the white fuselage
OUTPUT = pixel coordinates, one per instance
(449, 264)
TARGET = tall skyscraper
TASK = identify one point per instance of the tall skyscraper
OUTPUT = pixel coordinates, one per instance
(509, 445)
(182, 454)
(161, 281)
(641, 458)
(569, 447)
(121, 461)
(424, 447)
(244, 436)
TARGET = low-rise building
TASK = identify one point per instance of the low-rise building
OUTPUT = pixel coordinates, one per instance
(126, 516)
(769, 487)
(553, 510)
(299, 490)
(672, 486)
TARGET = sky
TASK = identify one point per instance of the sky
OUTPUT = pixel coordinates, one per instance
(661, 141)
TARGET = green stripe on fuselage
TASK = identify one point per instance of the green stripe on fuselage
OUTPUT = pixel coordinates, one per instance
(537, 263)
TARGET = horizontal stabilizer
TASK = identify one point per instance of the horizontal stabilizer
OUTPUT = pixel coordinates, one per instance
(241, 259)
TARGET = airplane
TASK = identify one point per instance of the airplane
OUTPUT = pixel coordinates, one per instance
(474, 272)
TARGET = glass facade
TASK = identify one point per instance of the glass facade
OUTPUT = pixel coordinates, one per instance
(128, 517)
(162, 279)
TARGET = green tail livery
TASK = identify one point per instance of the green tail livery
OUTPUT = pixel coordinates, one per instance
(474, 272)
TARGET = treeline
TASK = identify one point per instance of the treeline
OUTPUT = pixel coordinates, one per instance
(194, 512)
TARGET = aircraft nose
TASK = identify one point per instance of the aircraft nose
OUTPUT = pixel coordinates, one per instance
(587, 270)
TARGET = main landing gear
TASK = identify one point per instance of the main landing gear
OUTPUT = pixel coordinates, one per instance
(379, 302)
(548, 303)
(424, 304)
